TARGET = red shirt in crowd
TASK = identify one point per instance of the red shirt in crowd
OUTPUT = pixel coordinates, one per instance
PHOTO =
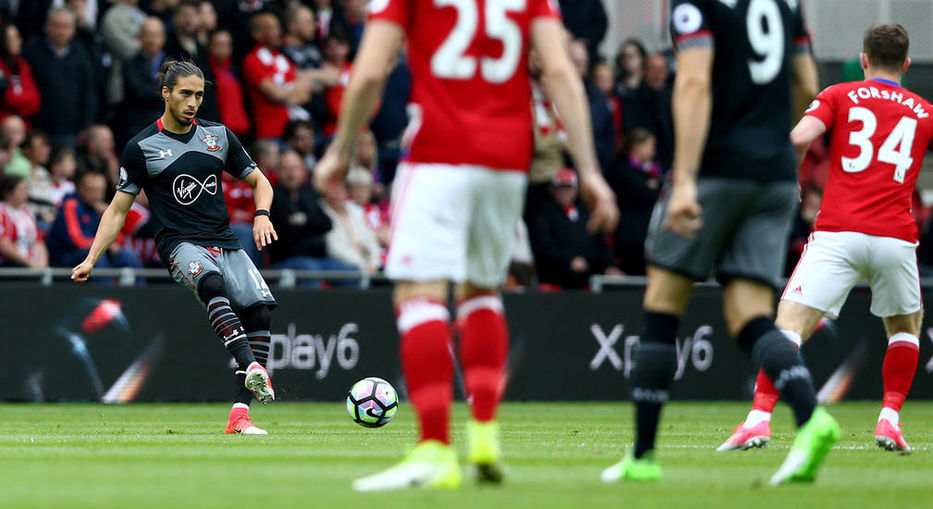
(230, 98)
(19, 225)
(22, 95)
(879, 134)
(259, 65)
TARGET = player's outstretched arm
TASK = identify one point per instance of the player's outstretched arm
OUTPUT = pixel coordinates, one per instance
(692, 107)
(566, 90)
(808, 129)
(263, 231)
(111, 222)
(378, 50)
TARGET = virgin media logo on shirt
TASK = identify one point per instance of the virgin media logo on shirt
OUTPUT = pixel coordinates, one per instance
(188, 189)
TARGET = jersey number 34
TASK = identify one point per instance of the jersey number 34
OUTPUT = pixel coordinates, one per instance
(895, 150)
(450, 60)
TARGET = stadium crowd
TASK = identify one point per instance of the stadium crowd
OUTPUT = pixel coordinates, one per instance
(78, 80)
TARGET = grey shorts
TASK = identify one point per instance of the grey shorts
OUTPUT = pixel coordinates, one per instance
(745, 229)
(190, 263)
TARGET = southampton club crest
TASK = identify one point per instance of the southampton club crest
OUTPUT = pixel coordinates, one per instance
(194, 268)
(211, 142)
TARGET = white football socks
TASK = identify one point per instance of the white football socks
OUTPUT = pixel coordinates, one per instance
(891, 415)
(756, 417)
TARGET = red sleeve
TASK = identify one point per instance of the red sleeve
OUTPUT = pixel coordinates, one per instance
(29, 98)
(396, 11)
(253, 71)
(544, 9)
(824, 107)
(73, 223)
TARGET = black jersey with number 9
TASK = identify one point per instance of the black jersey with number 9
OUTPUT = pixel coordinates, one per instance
(753, 41)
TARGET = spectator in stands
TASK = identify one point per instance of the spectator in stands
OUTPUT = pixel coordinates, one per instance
(604, 80)
(350, 241)
(207, 22)
(329, 15)
(299, 136)
(64, 75)
(300, 45)
(183, 44)
(20, 242)
(522, 264)
(565, 253)
(41, 198)
(62, 170)
(14, 130)
(337, 52)
(630, 62)
(6, 151)
(97, 153)
(142, 103)
(604, 133)
(89, 38)
(300, 41)
(636, 180)
(659, 92)
(76, 223)
(274, 89)
(587, 21)
(229, 90)
(120, 29)
(239, 21)
(299, 221)
(19, 94)
(360, 185)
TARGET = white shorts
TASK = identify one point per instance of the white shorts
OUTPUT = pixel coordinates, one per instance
(833, 262)
(453, 222)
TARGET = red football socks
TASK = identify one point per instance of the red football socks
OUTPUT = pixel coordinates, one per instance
(484, 345)
(900, 364)
(424, 326)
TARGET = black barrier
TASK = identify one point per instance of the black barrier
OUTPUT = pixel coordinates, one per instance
(154, 344)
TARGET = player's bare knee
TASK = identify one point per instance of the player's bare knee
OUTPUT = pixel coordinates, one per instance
(468, 290)
(434, 290)
(909, 324)
(667, 292)
(797, 318)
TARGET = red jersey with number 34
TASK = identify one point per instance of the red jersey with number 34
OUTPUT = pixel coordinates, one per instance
(879, 134)
(470, 93)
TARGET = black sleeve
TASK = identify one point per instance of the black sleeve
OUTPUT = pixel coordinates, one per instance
(801, 34)
(690, 24)
(238, 163)
(133, 173)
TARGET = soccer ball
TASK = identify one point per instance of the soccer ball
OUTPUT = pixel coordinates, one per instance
(372, 402)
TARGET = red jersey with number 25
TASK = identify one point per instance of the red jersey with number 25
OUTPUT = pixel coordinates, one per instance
(879, 134)
(470, 92)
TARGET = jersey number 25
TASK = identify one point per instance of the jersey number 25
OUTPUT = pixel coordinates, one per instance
(895, 150)
(450, 61)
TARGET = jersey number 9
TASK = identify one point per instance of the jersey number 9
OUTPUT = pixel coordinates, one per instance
(766, 36)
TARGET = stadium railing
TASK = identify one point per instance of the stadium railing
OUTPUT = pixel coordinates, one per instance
(284, 278)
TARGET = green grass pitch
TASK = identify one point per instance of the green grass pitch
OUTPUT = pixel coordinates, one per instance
(174, 456)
